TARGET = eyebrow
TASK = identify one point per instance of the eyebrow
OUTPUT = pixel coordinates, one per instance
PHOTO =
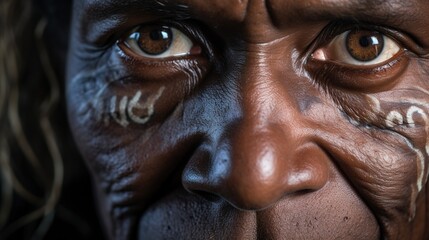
(395, 13)
(391, 12)
(101, 9)
(100, 17)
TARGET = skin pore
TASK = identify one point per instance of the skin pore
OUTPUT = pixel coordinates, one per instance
(255, 119)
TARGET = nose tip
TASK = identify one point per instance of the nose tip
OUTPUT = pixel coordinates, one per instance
(254, 171)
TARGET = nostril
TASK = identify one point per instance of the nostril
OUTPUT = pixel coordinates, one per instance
(207, 196)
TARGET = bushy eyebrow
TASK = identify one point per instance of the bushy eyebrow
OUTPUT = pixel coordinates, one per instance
(98, 19)
(391, 12)
(379, 10)
(100, 9)
(398, 14)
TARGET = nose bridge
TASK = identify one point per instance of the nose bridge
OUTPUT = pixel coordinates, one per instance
(268, 96)
(260, 144)
(258, 157)
(264, 104)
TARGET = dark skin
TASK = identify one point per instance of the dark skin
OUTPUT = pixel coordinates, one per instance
(253, 119)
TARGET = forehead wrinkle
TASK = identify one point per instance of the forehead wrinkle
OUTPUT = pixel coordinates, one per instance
(374, 5)
(100, 17)
(224, 11)
(378, 11)
(99, 9)
(357, 3)
(239, 8)
(214, 10)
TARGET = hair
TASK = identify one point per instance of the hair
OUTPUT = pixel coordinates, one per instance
(34, 136)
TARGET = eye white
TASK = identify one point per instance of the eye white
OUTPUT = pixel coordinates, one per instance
(180, 45)
(336, 51)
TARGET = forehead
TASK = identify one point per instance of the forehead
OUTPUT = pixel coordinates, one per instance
(238, 10)
(253, 16)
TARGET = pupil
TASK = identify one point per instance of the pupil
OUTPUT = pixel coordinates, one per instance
(155, 39)
(364, 45)
(365, 41)
(161, 34)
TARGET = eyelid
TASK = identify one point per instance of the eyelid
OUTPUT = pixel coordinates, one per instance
(335, 28)
(106, 33)
(176, 48)
(336, 51)
(368, 79)
(190, 28)
(407, 41)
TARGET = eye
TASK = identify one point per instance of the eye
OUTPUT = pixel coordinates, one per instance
(359, 47)
(160, 41)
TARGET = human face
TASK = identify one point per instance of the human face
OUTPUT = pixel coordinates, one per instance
(253, 119)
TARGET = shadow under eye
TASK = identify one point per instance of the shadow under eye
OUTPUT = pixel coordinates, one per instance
(365, 79)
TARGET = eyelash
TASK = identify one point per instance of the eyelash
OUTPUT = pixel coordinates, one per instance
(337, 75)
(190, 28)
(337, 27)
(194, 30)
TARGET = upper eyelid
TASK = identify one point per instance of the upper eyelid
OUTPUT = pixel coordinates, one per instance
(106, 31)
(336, 28)
(191, 29)
(100, 19)
(194, 31)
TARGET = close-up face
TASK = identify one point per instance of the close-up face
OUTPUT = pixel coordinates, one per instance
(253, 119)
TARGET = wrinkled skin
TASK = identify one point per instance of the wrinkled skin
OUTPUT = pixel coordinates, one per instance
(254, 135)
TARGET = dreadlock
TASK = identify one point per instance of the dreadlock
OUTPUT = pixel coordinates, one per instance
(32, 119)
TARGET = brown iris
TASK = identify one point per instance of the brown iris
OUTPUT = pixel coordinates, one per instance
(364, 45)
(153, 40)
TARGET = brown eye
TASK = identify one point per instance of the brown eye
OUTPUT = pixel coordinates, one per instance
(364, 45)
(359, 48)
(153, 40)
(159, 41)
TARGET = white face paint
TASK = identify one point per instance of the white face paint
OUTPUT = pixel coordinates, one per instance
(376, 106)
(125, 114)
(407, 119)
(394, 118)
(121, 110)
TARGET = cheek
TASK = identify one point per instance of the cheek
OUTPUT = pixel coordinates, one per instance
(114, 114)
(121, 109)
(404, 115)
(127, 124)
(383, 151)
(130, 93)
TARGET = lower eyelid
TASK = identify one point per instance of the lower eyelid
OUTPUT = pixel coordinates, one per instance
(358, 79)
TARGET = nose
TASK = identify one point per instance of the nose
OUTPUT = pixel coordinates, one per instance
(266, 153)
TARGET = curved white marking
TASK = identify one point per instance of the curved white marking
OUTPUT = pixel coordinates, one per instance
(133, 104)
(148, 105)
(120, 118)
(410, 120)
(394, 118)
(376, 107)
(410, 113)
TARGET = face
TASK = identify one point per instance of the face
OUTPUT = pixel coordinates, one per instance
(253, 119)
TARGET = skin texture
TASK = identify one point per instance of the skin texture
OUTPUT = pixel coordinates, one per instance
(260, 132)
